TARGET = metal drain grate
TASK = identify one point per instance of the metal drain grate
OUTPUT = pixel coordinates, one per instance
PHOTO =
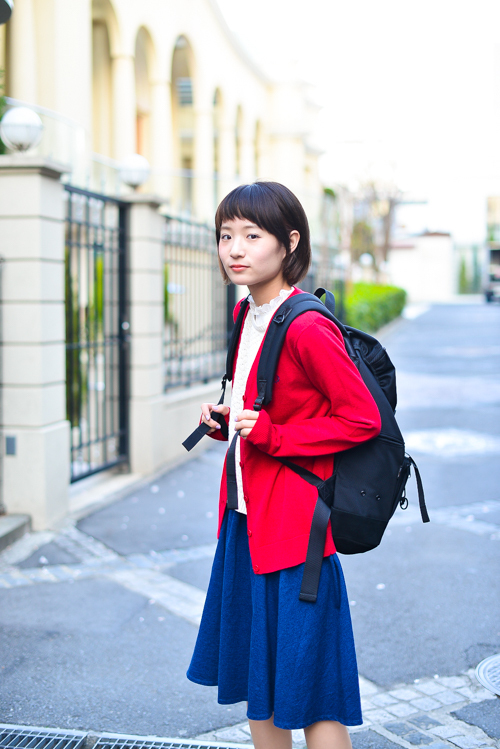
(488, 673)
(119, 741)
(40, 738)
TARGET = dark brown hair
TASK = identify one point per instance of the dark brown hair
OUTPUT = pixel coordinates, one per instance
(275, 209)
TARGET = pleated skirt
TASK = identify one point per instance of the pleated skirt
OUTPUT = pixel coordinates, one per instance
(258, 643)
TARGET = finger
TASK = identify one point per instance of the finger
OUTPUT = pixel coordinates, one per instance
(248, 414)
(211, 422)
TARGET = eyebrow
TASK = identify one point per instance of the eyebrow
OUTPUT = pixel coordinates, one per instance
(247, 226)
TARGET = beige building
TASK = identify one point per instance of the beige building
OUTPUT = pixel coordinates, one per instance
(165, 79)
(115, 320)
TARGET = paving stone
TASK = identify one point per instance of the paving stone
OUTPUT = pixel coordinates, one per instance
(444, 732)
(438, 745)
(404, 694)
(400, 729)
(453, 682)
(425, 722)
(402, 710)
(377, 716)
(367, 704)
(383, 699)
(449, 697)
(466, 742)
(485, 714)
(367, 687)
(430, 687)
(371, 740)
(425, 703)
(298, 737)
(417, 738)
(408, 733)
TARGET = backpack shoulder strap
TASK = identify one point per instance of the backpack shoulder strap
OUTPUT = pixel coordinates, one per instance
(286, 313)
(235, 337)
(203, 428)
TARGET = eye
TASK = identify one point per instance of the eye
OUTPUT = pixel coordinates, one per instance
(253, 236)
(225, 236)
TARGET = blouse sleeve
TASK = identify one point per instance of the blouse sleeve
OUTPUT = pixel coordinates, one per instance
(353, 415)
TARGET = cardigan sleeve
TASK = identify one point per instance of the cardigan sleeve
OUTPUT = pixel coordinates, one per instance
(353, 415)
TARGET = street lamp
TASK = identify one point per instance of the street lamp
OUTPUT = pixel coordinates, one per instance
(134, 170)
(5, 10)
(21, 129)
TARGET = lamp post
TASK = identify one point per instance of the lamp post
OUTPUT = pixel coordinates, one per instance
(134, 170)
(21, 129)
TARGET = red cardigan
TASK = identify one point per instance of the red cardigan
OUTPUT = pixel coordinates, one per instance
(320, 406)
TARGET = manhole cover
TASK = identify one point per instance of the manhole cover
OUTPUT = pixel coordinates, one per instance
(488, 673)
(40, 738)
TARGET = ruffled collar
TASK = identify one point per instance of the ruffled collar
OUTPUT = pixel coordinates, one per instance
(261, 316)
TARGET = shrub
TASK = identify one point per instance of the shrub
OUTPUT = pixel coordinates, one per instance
(369, 305)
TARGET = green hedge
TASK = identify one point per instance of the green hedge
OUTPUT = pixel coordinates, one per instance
(369, 306)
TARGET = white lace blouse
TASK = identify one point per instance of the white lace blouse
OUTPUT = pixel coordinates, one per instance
(252, 334)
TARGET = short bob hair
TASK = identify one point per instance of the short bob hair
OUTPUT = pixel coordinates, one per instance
(275, 209)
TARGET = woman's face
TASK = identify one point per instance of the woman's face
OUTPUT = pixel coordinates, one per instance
(249, 254)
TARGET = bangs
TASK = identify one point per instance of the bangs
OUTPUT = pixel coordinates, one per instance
(252, 203)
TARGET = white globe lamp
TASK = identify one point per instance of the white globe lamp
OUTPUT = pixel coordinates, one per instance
(366, 260)
(21, 129)
(134, 170)
(5, 10)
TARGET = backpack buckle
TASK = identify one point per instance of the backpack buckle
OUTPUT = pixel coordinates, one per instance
(281, 316)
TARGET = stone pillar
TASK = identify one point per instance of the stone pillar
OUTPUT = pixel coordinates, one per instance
(227, 146)
(204, 165)
(146, 255)
(22, 62)
(247, 154)
(124, 106)
(35, 430)
(161, 138)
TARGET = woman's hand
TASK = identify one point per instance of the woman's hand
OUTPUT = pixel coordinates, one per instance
(245, 422)
(206, 411)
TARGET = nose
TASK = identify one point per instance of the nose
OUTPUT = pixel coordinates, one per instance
(237, 247)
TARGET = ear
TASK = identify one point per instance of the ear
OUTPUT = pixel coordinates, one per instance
(294, 240)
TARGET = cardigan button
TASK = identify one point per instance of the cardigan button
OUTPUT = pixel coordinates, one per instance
(256, 568)
(245, 498)
(249, 532)
(241, 464)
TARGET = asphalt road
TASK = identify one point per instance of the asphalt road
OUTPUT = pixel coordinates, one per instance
(95, 655)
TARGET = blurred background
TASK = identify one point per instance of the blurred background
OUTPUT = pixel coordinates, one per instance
(123, 126)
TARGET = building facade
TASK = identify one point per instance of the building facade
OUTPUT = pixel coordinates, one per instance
(115, 320)
(165, 79)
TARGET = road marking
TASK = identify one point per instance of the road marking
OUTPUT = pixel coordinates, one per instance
(177, 597)
(472, 517)
(451, 443)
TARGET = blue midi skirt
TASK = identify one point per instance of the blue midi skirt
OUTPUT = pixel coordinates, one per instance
(257, 642)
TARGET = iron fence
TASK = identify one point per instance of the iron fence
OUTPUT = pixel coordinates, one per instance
(198, 307)
(96, 331)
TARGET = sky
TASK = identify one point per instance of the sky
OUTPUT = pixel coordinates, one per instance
(409, 93)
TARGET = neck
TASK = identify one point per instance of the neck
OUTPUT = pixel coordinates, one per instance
(262, 293)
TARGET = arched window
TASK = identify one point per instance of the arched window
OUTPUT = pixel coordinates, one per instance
(183, 125)
(143, 54)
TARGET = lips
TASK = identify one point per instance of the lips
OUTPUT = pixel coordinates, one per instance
(238, 267)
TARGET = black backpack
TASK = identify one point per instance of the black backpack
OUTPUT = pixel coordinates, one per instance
(369, 480)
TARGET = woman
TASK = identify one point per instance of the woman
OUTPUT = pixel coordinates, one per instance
(292, 661)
